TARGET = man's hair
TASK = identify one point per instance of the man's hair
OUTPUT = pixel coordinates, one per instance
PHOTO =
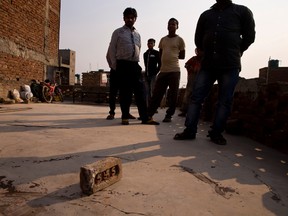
(151, 40)
(174, 19)
(129, 11)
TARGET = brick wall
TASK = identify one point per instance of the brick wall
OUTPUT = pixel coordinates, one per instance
(93, 78)
(29, 41)
(277, 74)
(260, 113)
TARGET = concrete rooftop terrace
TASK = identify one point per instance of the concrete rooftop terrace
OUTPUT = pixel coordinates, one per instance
(43, 146)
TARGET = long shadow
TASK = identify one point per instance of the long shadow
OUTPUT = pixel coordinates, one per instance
(54, 119)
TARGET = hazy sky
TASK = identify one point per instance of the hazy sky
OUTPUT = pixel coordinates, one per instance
(87, 25)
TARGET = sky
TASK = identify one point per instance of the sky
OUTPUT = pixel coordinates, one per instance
(86, 27)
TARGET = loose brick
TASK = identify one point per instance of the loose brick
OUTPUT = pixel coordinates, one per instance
(99, 175)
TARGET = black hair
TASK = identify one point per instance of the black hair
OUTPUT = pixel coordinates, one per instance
(151, 40)
(129, 11)
(174, 19)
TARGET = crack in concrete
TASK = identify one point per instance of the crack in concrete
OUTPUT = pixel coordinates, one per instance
(122, 158)
(223, 191)
(5, 110)
(276, 197)
(7, 184)
(11, 189)
(120, 210)
(56, 159)
(38, 126)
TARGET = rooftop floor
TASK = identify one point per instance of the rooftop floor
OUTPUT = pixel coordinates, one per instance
(43, 146)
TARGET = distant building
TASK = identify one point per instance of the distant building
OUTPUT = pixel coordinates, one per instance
(273, 73)
(66, 71)
(98, 78)
(77, 79)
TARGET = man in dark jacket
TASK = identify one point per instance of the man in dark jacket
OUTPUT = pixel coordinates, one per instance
(152, 66)
(223, 33)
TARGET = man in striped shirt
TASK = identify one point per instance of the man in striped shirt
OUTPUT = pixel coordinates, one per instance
(123, 57)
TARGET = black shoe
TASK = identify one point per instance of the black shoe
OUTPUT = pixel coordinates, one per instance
(167, 119)
(150, 122)
(184, 136)
(125, 122)
(110, 117)
(216, 138)
(131, 116)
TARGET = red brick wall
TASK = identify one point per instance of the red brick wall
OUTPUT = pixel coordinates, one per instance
(29, 41)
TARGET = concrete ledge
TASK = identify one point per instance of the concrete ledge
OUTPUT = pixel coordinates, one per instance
(99, 175)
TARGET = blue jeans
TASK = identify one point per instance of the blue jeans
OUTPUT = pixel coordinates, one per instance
(227, 81)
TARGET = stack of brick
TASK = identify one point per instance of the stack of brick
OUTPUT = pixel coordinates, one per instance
(93, 88)
(264, 118)
(91, 79)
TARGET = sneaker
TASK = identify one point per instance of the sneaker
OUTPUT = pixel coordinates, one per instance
(150, 122)
(131, 116)
(184, 136)
(110, 117)
(216, 138)
(125, 122)
(167, 119)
